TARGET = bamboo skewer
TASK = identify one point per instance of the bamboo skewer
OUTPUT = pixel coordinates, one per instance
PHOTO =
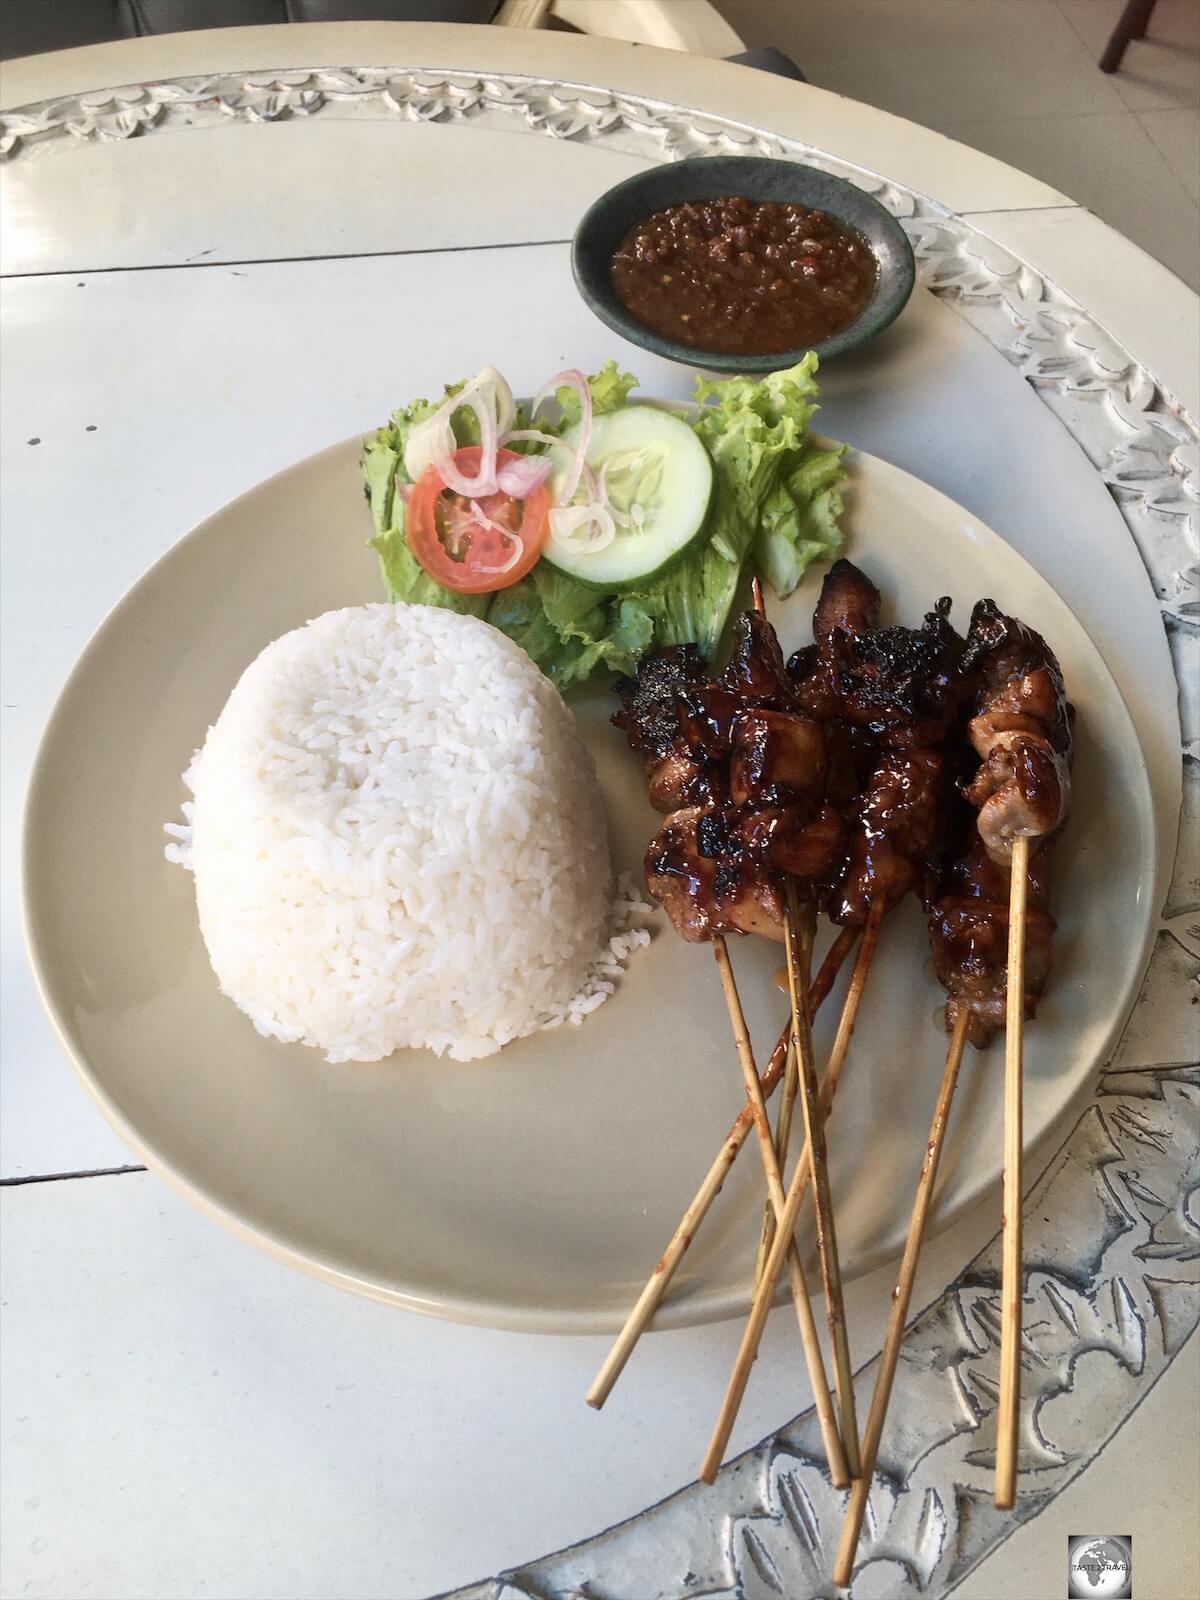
(764, 1294)
(834, 1452)
(843, 1567)
(659, 1280)
(798, 939)
(1007, 1415)
(849, 1015)
(822, 984)
(783, 1139)
(791, 1070)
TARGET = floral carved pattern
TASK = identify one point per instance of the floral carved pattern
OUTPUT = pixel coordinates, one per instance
(1112, 1231)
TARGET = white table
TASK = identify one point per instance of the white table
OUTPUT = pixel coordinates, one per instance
(272, 264)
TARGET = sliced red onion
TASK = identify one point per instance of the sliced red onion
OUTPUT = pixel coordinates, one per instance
(518, 544)
(484, 480)
(432, 442)
(566, 521)
(522, 475)
(572, 378)
(506, 406)
(532, 435)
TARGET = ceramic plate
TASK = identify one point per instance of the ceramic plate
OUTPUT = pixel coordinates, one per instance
(534, 1190)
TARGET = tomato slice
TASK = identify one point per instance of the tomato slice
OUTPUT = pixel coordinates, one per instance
(468, 552)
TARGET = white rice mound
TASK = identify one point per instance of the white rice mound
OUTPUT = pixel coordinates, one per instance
(398, 840)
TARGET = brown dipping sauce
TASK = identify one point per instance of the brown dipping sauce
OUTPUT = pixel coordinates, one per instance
(743, 277)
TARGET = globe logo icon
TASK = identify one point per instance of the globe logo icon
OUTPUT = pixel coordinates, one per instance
(1099, 1567)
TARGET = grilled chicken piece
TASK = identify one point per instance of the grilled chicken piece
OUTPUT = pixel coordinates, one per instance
(677, 780)
(849, 602)
(705, 714)
(899, 683)
(756, 790)
(1028, 702)
(704, 893)
(1021, 731)
(1021, 789)
(970, 955)
(893, 832)
(648, 715)
(718, 869)
(886, 698)
(755, 676)
(968, 929)
(650, 719)
(902, 685)
(776, 756)
(756, 672)
(809, 850)
(1020, 675)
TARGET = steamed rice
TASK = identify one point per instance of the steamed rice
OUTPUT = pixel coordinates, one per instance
(398, 840)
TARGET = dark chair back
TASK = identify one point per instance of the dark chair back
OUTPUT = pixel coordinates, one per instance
(29, 26)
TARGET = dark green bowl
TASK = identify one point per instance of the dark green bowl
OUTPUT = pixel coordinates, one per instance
(607, 222)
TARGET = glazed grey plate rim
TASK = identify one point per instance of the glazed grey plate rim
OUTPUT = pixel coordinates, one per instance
(893, 288)
(697, 1308)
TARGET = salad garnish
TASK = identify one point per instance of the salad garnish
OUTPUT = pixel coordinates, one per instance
(596, 529)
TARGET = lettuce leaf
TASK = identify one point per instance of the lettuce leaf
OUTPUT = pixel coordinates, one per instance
(609, 389)
(764, 502)
(798, 523)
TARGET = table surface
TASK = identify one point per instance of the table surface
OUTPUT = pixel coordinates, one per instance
(313, 224)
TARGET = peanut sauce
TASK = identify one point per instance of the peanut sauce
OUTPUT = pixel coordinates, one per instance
(743, 278)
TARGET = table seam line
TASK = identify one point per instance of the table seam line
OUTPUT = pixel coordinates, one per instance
(998, 211)
(271, 261)
(425, 250)
(64, 1177)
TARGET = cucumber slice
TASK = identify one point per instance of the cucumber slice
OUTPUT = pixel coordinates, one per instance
(659, 476)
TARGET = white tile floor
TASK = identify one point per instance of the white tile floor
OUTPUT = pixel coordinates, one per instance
(1018, 78)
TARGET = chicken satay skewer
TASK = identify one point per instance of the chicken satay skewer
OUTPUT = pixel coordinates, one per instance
(791, 1073)
(834, 1444)
(1008, 1412)
(764, 1293)
(800, 1076)
(1022, 734)
(798, 944)
(659, 1280)
(726, 759)
(843, 1566)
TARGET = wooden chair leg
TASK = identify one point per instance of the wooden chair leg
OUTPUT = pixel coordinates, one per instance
(1132, 25)
(526, 13)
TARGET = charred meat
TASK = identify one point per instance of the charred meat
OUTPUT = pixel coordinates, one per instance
(1019, 728)
(1021, 731)
(877, 761)
(886, 698)
(894, 833)
(968, 929)
(743, 776)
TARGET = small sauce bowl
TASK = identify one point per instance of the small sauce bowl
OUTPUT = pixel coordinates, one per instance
(607, 222)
